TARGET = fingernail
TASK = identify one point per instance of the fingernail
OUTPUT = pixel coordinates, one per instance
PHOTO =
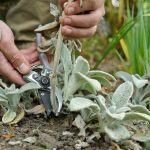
(67, 21)
(70, 11)
(23, 68)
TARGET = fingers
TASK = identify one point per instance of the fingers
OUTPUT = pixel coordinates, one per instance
(88, 5)
(30, 49)
(7, 69)
(31, 58)
(35, 63)
(9, 72)
(71, 32)
(31, 54)
(15, 57)
(83, 21)
(80, 21)
(10, 51)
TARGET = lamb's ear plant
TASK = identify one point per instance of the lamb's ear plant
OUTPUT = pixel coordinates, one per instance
(77, 76)
(10, 98)
(141, 87)
(81, 87)
(112, 115)
(71, 74)
(80, 78)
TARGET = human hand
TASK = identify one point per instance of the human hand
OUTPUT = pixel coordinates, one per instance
(13, 62)
(81, 21)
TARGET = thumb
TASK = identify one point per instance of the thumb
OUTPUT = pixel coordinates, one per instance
(15, 57)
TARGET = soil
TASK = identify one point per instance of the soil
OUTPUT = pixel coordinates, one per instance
(46, 134)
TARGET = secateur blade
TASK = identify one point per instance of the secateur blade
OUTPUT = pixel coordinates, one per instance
(45, 78)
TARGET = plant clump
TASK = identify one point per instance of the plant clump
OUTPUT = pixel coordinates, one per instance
(120, 115)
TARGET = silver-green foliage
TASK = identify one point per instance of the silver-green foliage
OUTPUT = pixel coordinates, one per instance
(78, 77)
(112, 114)
(10, 98)
(141, 87)
(81, 87)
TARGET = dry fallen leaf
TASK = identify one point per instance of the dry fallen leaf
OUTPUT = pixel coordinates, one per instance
(80, 124)
(79, 145)
(20, 116)
(10, 133)
(8, 136)
(115, 146)
(67, 133)
(14, 143)
(36, 110)
(30, 140)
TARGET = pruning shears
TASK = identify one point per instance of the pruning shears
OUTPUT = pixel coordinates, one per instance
(42, 78)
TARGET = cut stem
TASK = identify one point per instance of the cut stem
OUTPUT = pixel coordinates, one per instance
(53, 79)
(54, 73)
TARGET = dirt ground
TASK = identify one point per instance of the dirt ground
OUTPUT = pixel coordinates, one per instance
(54, 133)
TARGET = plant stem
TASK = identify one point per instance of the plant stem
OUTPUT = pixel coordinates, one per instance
(53, 79)
(54, 73)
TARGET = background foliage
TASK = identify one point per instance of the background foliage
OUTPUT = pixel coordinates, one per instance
(132, 51)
